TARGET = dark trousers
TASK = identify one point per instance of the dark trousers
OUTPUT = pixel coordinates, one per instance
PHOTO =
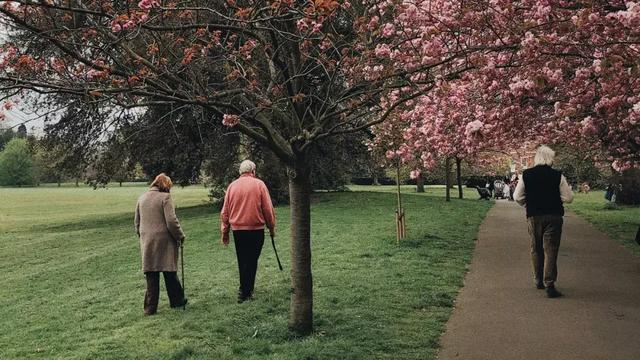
(174, 290)
(545, 231)
(248, 248)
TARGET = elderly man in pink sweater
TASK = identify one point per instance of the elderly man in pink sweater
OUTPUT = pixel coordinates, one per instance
(246, 211)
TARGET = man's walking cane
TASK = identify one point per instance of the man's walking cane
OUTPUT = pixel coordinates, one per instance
(273, 242)
(184, 296)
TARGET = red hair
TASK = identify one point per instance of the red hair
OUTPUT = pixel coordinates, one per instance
(162, 182)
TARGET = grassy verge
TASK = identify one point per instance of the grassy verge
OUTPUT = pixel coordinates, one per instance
(72, 288)
(619, 222)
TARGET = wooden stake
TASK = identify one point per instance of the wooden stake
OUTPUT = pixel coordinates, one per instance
(401, 228)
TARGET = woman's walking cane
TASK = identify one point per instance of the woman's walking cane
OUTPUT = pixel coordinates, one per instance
(184, 296)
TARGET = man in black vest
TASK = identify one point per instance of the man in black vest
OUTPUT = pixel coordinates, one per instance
(543, 190)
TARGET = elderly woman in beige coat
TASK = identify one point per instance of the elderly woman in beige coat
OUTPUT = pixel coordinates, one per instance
(160, 236)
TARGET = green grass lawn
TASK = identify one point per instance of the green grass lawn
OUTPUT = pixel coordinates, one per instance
(72, 287)
(620, 223)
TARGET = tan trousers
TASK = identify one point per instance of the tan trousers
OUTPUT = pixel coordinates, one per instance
(545, 231)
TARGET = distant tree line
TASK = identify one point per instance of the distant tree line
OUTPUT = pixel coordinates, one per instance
(187, 143)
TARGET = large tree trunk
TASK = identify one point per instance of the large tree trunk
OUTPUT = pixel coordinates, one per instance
(447, 167)
(459, 177)
(420, 183)
(301, 312)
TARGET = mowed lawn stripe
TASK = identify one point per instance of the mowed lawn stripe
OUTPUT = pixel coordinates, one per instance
(79, 293)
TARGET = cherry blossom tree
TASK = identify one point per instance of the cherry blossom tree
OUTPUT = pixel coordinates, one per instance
(546, 72)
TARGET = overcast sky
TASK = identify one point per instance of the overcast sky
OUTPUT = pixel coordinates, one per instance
(15, 117)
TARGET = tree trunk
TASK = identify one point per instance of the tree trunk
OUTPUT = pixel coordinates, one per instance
(420, 183)
(301, 312)
(447, 170)
(77, 185)
(120, 183)
(375, 179)
(459, 177)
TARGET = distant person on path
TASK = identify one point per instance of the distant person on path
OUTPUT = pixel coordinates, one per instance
(543, 190)
(247, 209)
(160, 236)
(512, 187)
(506, 191)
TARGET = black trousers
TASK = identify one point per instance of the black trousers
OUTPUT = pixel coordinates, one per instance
(174, 290)
(248, 248)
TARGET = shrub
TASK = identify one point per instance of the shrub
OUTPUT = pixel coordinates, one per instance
(16, 164)
(216, 196)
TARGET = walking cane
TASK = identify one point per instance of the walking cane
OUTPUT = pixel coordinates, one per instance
(184, 292)
(273, 242)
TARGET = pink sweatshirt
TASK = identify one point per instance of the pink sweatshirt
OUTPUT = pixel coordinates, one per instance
(247, 205)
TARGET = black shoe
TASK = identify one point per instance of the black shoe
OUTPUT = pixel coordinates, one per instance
(243, 297)
(553, 293)
(182, 304)
(539, 285)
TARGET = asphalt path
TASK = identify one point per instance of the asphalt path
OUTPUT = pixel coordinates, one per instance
(499, 314)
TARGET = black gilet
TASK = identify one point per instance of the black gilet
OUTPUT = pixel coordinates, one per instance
(542, 191)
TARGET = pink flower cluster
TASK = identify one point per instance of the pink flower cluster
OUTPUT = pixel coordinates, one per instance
(133, 19)
(230, 120)
(148, 4)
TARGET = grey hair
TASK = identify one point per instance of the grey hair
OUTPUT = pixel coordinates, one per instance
(544, 156)
(247, 166)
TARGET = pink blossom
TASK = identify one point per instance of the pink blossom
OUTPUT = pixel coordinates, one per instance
(383, 50)
(129, 25)
(373, 23)
(474, 126)
(302, 24)
(316, 27)
(388, 30)
(116, 27)
(390, 154)
(148, 4)
(230, 120)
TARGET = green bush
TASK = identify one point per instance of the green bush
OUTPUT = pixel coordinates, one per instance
(216, 196)
(16, 164)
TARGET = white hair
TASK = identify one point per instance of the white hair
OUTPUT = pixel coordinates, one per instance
(544, 156)
(247, 166)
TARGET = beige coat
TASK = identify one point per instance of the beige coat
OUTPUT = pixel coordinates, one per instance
(159, 231)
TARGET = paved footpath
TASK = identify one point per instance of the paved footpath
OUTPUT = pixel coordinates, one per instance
(500, 314)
